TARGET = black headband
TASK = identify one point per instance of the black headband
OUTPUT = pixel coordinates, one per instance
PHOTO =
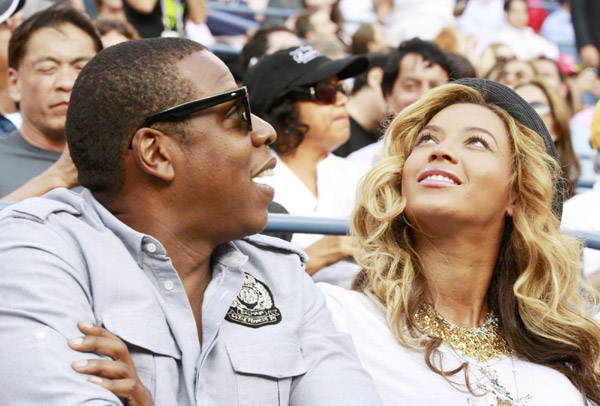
(507, 99)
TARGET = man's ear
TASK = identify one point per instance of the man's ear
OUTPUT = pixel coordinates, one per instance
(14, 88)
(151, 152)
(375, 77)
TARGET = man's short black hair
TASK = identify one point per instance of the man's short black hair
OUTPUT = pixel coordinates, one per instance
(52, 17)
(112, 96)
(257, 45)
(427, 49)
(377, 59)
(461, 67)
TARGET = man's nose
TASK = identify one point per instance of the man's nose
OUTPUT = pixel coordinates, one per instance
(262, 132)
(65, 78)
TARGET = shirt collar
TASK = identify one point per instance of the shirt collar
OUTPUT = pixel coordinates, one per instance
(134, 241)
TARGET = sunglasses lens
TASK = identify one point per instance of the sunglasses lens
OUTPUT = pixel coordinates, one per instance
(541, 108)
(326, 92)
(323, 92)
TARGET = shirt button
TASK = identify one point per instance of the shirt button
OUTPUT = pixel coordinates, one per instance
(40, 335)
(168, 285)
(151, 247)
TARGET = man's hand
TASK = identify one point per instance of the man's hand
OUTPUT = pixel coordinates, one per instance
(117, 375)
(327, 251)
(590, 56)
(62, 173)
(64, 170)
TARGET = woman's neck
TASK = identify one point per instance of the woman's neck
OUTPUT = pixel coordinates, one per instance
(459, 270)
(303, 163)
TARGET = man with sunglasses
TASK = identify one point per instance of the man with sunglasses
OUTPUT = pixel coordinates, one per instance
(156, 250)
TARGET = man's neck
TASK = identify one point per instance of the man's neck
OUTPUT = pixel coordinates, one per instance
(7, 105)
(37, 138)
(356, 109)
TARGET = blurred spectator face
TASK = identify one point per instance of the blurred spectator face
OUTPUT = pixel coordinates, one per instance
(540, 103)
(47, 71)
(281, 40)
(380, 41)
(322, 26)
(516, 72)
(112, 38)
(112, 9)
(329, 125)
(491, 56)
(327, 4)
(517, 15)
(548, 71)
(416, 77)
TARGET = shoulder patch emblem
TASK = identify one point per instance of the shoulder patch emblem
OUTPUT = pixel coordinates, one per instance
(254, 305)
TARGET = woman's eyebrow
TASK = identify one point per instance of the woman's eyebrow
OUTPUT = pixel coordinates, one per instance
(432, 127)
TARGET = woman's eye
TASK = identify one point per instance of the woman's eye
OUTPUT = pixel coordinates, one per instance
(424, 138)
(478, 141)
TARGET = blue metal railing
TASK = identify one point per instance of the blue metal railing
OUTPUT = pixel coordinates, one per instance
(283, 223)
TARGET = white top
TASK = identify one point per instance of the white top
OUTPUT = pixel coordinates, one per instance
(482, 18)
(402, 377)
(526, 44)
(368, 155)
(15, 118)
(582, 213)
(337, 179)
(418, 18)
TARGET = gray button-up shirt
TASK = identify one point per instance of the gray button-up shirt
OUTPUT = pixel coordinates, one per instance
(267, 338)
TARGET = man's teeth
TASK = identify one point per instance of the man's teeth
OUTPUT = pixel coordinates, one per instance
(266, 172)
(439, 177)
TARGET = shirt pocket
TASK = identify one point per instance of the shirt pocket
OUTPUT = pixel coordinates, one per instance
(147, 337)
(264, 372)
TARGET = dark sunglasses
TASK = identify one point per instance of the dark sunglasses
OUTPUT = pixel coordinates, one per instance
(541, 108)
(323, 92)
(185, 109)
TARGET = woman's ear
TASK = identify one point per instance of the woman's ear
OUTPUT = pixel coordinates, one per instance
(150, 148)
(512, 204)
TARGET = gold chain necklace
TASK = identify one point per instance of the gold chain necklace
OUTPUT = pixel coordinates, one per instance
(482, 343)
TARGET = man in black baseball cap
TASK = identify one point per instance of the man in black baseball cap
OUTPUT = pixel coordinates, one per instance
(302, 94)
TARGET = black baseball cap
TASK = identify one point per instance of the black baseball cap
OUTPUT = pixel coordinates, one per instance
(275, 75)
(9, 7)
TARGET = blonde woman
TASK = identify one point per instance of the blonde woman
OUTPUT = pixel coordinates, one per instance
(469, 293)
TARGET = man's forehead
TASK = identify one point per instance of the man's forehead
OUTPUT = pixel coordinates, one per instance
(207, 72)
(47, 42)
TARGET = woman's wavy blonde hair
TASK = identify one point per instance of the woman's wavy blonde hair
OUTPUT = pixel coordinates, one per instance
(537, 292)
